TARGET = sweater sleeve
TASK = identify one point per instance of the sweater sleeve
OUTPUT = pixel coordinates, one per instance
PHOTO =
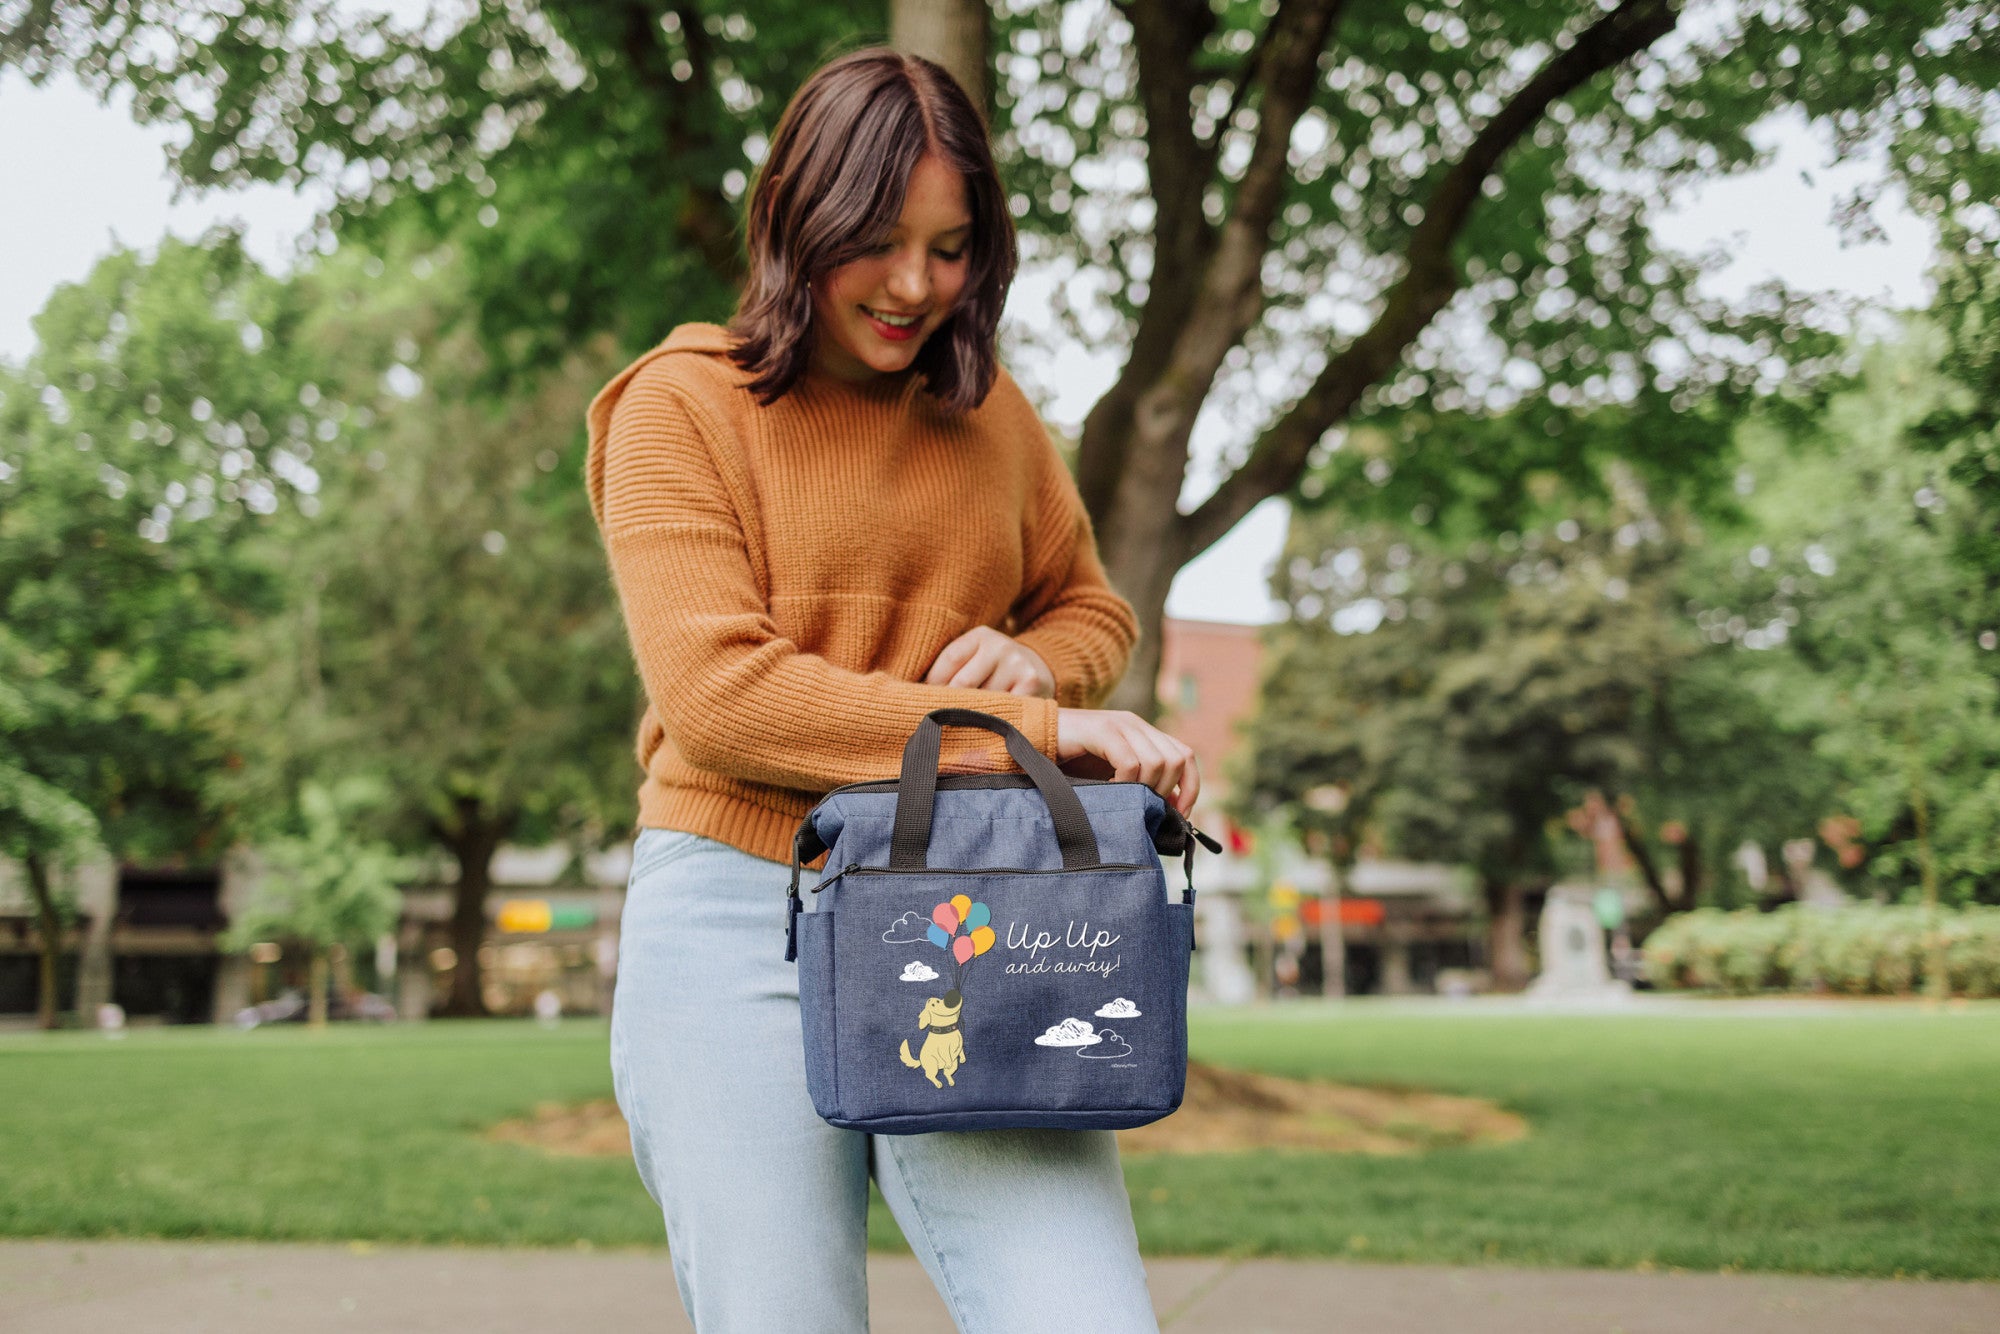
(1068, 612)
(734, 695)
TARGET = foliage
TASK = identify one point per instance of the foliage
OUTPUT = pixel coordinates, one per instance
(447, 624)
(1855, 582)
(37, 816)
(254, 532)
(1863, 949)
(157, 423)
(1810, 658)
(584, 156)
(330, 887)
(1466, 694)
(1402, 251)
(1962, 429)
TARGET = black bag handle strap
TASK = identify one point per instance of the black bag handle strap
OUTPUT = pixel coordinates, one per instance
(916, 791)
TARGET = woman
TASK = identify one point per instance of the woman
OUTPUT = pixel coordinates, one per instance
(818, 520)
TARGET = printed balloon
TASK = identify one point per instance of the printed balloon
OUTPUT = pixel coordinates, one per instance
(982, 939)
(961, 905)
(940, 937)
(945, 916)
(978, 917)
(961, 949)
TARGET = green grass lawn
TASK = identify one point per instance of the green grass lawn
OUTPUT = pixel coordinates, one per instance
(1863, 1143)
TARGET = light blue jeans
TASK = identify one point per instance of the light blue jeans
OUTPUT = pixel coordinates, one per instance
(766, 1204)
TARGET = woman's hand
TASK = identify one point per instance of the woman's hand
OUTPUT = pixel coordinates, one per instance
(984, 659)
(1131, 749)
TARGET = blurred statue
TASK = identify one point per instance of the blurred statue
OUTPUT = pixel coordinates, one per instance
(1574, 965)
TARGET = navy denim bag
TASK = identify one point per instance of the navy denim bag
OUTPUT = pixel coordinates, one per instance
(992, 950)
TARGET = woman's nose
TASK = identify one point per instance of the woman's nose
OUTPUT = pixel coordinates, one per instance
(910, 280)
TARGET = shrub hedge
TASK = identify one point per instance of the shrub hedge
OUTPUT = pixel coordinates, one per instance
(1863, 949)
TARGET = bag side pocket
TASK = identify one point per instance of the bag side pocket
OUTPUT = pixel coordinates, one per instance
(817, 1015)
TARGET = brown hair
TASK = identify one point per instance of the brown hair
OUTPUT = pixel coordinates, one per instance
(832, 186)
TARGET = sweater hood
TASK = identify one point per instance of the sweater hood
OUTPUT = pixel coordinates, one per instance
(689, 340)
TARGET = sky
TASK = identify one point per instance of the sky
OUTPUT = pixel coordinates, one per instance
(93, 180)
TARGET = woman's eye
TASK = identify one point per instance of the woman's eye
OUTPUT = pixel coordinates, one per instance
(949, 254)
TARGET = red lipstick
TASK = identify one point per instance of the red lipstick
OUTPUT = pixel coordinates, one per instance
(890, 331)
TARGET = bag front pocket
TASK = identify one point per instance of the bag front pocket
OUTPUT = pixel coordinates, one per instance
(989, 991)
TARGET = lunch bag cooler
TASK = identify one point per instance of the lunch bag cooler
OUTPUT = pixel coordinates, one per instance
(992, 950)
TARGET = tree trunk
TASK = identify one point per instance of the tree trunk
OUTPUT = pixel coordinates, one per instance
(316, 989)
(49, 929)
(954, 33)
(1507, 933)
(343, 973)
(1142, 570)
(1937, 969)
(1691, 870)
(1333, 934)
(472, 843)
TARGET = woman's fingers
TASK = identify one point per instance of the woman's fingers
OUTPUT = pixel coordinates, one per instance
(978, 669)
(1154, 766)
(1190, 790)
(1143, 753)
(1135, 749)
(1175, 774)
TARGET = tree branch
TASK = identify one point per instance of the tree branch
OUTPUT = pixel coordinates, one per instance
(1642, 857)
(1166, 37)
(1231, 292)
(706, 220)
(1245, 78)
(1429, 280)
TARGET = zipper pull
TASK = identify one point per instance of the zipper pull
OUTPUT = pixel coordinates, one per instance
(851, 866)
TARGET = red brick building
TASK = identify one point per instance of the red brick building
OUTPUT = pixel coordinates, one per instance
(1209, 674)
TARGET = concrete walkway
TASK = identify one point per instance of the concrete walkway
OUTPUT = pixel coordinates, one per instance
(88, 1287)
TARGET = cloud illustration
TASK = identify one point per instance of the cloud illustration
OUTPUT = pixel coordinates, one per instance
(907, 929)
(1069, 1033)
(1119, 1009)
(1114, 1047)
(916, 970)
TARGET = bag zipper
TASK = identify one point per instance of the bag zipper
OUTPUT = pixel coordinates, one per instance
(1189, 838)
(891, 784)
(856, 868)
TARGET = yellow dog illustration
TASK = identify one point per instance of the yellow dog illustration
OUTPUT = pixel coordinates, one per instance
(944, 1045)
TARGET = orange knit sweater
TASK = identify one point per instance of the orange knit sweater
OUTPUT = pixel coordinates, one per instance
(789, 573)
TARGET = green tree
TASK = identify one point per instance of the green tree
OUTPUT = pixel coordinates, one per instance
(154, 427)
(1427, 224)
(587, 157)
(1463, 695)
(447, 626)
(41, 823)
(1864, 559)
(1962, 429)
(254, 532)
(330, 888)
